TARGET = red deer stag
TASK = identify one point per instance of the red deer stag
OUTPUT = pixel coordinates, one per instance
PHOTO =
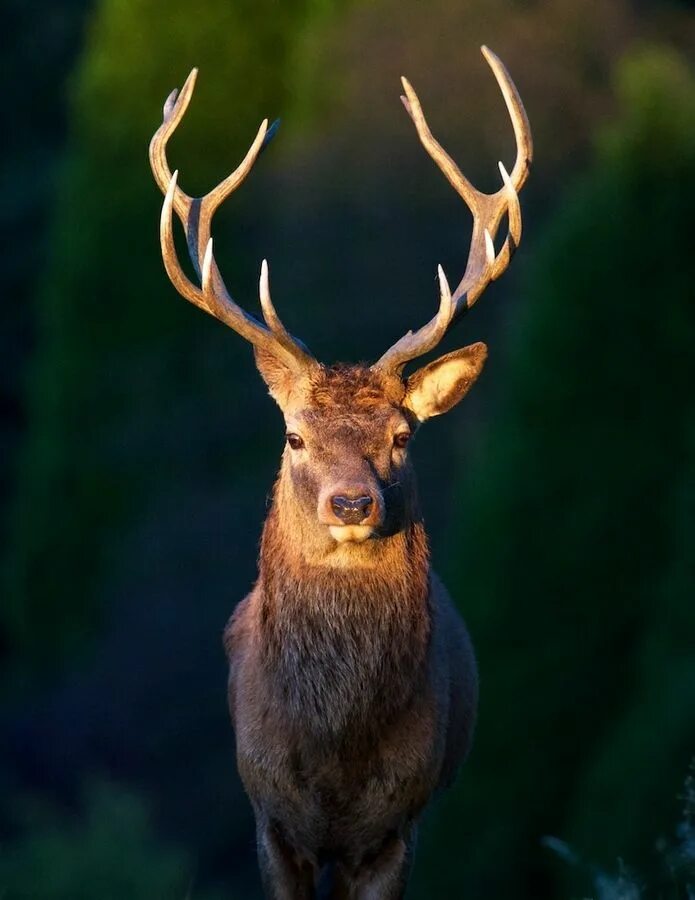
(353, 684)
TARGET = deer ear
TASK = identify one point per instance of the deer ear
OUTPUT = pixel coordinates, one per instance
(277, 374)
(436, 388)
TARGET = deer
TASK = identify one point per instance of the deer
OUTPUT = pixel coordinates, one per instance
(353, 684)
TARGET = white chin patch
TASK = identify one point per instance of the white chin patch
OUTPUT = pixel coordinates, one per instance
(350, 533)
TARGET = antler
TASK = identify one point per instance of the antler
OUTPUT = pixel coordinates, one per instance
(483, 264)
(196, 215)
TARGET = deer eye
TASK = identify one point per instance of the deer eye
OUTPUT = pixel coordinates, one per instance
(401, 439)
(295, 442)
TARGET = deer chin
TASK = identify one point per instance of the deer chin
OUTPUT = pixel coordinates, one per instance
(355, 534)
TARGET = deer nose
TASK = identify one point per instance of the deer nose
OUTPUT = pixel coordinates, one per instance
(351, 511)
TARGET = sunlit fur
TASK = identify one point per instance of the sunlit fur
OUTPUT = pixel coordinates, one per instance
(344, 534)
(352, 680)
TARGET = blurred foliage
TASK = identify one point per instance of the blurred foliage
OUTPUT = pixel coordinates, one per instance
(113, 347)
(655, 731)
(676, 854)
(573, 572)
(39, 42)
(107, 851)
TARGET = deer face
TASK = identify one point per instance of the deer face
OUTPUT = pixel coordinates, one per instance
(348, 429)
(346, 455)
(347, 467)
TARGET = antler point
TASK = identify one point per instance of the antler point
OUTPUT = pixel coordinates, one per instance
(169, 103)
(489, 248)
(171, 187)
(264, 289)
(407, 86)
(207, 266)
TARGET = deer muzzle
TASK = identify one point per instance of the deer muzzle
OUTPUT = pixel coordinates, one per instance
(351, 512)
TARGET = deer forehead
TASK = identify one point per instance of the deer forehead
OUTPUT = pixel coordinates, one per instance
(354, 386)
(342, 392)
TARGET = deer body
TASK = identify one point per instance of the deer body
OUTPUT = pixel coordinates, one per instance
(353, 683)
(347, 789)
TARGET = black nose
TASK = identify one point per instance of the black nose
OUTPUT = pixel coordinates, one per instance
(351, 511)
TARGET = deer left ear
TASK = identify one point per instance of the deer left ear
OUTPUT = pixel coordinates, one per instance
(436, 388)
(280, 378)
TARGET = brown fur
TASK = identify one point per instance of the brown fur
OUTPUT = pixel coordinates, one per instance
(352, 684)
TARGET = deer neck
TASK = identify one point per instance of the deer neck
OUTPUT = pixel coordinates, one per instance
(344, 628)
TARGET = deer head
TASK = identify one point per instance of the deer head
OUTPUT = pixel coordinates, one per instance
(345, 472)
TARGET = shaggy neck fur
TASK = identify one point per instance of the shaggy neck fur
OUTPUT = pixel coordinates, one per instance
(344, 628)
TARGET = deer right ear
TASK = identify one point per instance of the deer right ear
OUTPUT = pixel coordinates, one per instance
(436, 388)
(280, 378)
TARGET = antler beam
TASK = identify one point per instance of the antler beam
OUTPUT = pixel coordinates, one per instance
(488, 210)
(195, 214)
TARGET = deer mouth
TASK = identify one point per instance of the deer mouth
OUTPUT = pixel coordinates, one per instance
(355, 534)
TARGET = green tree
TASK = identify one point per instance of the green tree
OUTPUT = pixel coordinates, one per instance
(630, 794)
(110, 369)
(39, 45)
(107, 851)
(569, 512)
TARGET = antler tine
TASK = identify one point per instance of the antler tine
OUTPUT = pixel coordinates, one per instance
(175, 107)
(177, 276)
(271, 317)
(214, 198)
(196, 215)
(427, 337)
(451, 171)
(483, 265)
(225, 309)
(208, 299)
(517, 113)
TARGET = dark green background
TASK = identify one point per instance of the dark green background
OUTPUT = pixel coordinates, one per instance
(138, 447)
